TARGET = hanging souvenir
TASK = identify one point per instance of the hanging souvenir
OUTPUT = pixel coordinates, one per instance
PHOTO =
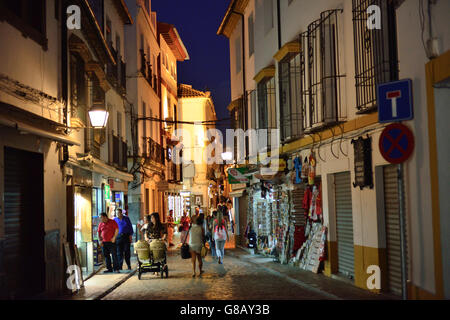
(319, 210)
(323, 247)
(312, 208)
(307, 200)
(312, 170)
(298, 169)
(305, 168)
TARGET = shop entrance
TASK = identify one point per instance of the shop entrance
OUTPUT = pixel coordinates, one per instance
(344, 224)
(24, 223)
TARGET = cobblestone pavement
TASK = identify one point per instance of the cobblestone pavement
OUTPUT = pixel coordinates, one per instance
(242, 276)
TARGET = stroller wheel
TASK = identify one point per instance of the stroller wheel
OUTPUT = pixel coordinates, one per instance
(162, 273)
(167, 272)
(139, 275)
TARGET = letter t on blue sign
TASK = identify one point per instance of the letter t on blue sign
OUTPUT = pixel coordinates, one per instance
(395, 101)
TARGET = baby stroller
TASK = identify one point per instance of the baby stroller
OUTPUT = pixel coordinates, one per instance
(152, 258)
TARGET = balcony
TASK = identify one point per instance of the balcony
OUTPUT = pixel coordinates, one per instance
(147, 72)
(93, 140)
(117, 152)
(152, 151)
(116, 73)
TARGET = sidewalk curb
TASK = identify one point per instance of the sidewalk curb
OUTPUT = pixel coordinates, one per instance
(115, 286)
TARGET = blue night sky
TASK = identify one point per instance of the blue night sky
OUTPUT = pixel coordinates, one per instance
(197, 22)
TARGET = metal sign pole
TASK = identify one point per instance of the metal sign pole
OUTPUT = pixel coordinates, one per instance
(402, 229)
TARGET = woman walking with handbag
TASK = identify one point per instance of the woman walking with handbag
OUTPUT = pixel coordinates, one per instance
(220, 235)
(209, 233)
(196, 242)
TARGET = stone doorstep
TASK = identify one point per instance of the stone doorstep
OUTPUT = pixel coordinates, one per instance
(91, 289)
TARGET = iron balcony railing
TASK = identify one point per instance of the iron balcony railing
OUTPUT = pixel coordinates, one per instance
(116, 73)
(152, 151)
(118, 152)
(92, 141)
(147, 71)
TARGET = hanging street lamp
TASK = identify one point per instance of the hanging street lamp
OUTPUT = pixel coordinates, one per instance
(98, 116)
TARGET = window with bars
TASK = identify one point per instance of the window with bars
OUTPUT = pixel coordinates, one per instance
(321, 77)
(251, 35)
(78, 88)
(376, 58)
(290, 97)
(267, 117)
(28, 16)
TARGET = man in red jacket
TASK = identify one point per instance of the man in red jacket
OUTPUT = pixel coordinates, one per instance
(107, 233)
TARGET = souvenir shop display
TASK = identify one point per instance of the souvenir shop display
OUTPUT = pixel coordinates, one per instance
(312, 251)
(305, 169)
(311, 170)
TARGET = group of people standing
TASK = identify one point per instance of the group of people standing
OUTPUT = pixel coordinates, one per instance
(115, 237)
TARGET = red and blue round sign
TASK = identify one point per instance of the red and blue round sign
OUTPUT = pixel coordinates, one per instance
(396, 143)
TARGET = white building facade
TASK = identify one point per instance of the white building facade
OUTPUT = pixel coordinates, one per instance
(315, 67)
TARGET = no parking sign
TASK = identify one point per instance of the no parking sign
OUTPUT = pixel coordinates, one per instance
(396, 143)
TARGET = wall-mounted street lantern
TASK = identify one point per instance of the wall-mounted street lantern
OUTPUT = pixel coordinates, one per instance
(98, 116)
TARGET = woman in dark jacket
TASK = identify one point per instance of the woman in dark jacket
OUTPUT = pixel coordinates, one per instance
(154, 229)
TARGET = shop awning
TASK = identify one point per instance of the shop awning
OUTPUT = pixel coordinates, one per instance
(26, 128)
(237, 193)
(109, 171)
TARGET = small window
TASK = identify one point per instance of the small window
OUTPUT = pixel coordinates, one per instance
(119, 124)
(268, 15)
(28, 16)
(118, 44)
(238, 52)
(251, 41)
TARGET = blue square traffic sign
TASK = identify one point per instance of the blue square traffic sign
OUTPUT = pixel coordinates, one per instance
(395, 102)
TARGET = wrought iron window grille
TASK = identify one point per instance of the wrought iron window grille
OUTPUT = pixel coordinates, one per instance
(321, 73)
(376, 59)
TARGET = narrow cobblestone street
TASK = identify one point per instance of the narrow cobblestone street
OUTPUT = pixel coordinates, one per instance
(242, 276)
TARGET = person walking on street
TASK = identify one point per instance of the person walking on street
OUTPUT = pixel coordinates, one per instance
(124, 239)
(220, 235)
(209, 233)
(184, 227)
(196, 242)
(170, 226)
(107, 234)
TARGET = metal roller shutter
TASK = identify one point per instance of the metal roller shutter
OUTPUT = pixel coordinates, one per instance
(344, 223)
(24, 223)
(392, 222)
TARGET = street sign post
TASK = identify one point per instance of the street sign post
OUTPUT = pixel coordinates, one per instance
(396, 143)
(395, 102)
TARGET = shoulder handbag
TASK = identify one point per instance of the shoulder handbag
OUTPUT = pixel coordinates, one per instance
(220, 234)
(204, 251)
(185, 253)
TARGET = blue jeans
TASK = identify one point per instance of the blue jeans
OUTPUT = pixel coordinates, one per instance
(212, 245)
(220, 248)
(123, 250)
(109, 249)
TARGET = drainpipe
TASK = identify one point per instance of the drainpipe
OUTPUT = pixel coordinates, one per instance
(64, 74)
